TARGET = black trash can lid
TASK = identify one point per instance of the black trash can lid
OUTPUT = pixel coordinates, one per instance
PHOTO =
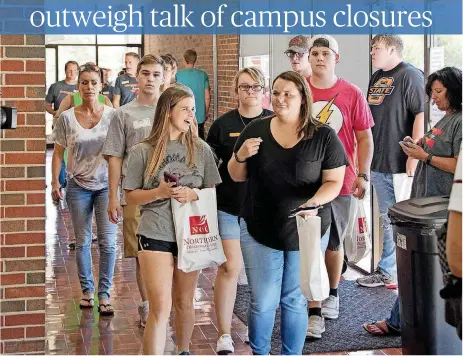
(426, 211)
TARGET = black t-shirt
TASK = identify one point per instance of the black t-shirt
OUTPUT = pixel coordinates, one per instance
(281, 179)
(395, 98)
(222, 137)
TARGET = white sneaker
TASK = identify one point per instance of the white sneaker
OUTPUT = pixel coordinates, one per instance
(225, 345)
(246, 336)
(143, 310)
(316, 327)
(330, 307)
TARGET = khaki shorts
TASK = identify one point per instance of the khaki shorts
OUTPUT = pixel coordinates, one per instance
(131, 218)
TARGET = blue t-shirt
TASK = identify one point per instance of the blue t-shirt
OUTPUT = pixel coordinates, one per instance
(198, 81)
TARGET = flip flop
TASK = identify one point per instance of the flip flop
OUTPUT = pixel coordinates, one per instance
(377, 329)
(105, 312)
(88, 300)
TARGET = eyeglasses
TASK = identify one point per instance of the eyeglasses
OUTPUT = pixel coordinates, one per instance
(291, 54)
(254, 87)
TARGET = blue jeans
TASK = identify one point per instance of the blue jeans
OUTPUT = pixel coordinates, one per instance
(81, 203)
(393, 322)
(384, 188)
(273, 278)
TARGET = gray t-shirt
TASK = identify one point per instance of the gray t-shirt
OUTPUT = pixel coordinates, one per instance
(58, 91)
(156, 217)
(443, 140)
(127, 87)
(86, 164)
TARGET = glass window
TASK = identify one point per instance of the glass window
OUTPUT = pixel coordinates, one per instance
(114, 57)
(119, 39)
(80, 54)
(69, 39)
(50, 55)
(414, 50)
(452, 45)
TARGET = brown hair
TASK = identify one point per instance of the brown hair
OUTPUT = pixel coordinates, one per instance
(308, 124)
(190, 56)
(133, 54)
(159, 135)
(255, 73)
(150, 59)
(173, 59)
(71, 62)
(389, 41)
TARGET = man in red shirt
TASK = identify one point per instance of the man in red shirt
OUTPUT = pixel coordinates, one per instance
(343, 107)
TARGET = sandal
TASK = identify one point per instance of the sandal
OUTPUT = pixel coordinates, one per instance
(377, 329)
(86, 306)
(106, 312)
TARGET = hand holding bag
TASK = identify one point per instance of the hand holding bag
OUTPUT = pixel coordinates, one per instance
(313, 275)
(197, 232)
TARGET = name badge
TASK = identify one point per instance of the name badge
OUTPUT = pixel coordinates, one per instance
(141, 123)
(125, 82)
(234, 134)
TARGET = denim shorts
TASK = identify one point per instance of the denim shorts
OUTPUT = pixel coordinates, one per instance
(229, 229)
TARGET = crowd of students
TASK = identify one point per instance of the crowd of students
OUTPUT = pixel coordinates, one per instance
(320, 144)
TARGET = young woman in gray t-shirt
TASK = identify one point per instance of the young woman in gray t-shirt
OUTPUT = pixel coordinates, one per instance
(170, 148)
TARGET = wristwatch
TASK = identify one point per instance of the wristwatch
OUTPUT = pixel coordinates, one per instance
(429, 158)
(364, 176)
(237, 159)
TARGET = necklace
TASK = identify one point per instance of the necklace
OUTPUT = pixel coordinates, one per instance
(260, 117)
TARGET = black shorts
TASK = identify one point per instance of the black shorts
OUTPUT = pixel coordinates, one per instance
(145, 243)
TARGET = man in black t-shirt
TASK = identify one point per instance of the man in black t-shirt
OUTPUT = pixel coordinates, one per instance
(396, 99)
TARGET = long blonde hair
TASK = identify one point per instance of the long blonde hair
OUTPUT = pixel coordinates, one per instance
(159, 135)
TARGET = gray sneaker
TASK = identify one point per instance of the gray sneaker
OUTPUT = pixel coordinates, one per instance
(377, 279)
(143, 310)
(316, 327)
(330, 307)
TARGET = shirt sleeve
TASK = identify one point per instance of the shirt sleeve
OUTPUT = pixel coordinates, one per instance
(457, 139)
(117, 86)
(211, 173)
(59, 131)
(50, 98)
(335, 155)
(206, 81)
(115, 140)
(455, 203)
(136, 169)
(363, 119)
(414, 91)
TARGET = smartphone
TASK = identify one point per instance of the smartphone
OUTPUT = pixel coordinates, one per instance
(408, 144)
(170, 178)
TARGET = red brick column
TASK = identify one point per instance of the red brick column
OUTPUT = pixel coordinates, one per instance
(22, 193)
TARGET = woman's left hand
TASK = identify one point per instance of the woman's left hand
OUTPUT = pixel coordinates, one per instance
(414, 151)
(184, 194)
(309, 212)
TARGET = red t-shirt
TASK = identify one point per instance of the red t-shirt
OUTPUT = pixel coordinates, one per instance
(345, 109)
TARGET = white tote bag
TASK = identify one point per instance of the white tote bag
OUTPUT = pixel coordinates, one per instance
(313, 275)
(357, 243)
(197, 232)
(402, 186)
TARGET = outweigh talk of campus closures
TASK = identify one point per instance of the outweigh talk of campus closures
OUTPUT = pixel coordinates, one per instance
(182, 17)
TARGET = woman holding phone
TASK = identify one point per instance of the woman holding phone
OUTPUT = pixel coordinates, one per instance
(287, 161)
(169, 163)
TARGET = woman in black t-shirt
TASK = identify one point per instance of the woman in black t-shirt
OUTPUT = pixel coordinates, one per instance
(249, 84)
(287, 161)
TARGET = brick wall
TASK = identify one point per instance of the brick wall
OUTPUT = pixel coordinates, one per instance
(22, 193)
(227, 60)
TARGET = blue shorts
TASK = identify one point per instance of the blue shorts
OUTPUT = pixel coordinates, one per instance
(229, 229)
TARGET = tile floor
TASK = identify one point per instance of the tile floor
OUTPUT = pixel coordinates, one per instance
(70, 330)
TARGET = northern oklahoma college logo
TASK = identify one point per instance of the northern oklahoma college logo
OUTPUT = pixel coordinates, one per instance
(198, 225)
(379, 90)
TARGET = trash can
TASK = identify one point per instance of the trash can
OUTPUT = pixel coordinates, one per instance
(416, 223)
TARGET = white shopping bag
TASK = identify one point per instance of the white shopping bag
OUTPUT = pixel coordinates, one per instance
(402, 186)
(357, 243)
(313, 275)
(197, 231)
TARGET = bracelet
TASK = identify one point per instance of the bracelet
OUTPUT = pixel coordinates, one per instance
(429, 158)
(237, 159)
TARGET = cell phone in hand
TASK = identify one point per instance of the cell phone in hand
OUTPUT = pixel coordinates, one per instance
(171, 178)
(408, 144)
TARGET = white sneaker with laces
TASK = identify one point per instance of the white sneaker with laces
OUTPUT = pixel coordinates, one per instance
(316, 327)
(330, 307)
(143, 310)
(225, 345)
